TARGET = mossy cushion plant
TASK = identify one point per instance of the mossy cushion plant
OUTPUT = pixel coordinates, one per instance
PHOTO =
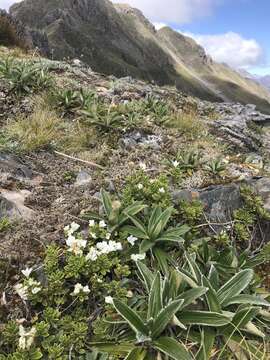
(128, 286)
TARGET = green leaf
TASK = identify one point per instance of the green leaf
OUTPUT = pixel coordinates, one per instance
(211, 296)
(243, 316)
(146, 245)
(194, 268)
(191, 295)
(161, 257)
(235, 285)
(174, 235)
(136, 354)
(206, 346)
(207, 318)
(246, 299)
(155, 298)
(131, 210)
(161, 222)
(131, 317)
(172, 348)
(213, 277)
(156, 212)
(112, 348)
(106, 201)
(133, 230)
(138, 224)
(164, 317)
(188, 278)
(147, 275)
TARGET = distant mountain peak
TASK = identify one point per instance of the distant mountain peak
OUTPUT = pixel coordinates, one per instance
(118, 39)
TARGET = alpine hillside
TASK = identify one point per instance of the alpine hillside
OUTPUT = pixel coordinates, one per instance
(117, 39)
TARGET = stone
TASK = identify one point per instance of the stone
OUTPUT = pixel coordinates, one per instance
(137, 138)
(83, 179)
(12, 165)
(12, 205)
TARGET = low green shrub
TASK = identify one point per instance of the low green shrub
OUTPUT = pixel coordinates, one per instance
(127, 285)
(24, 77)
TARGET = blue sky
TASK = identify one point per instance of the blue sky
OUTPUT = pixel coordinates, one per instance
(232, 31)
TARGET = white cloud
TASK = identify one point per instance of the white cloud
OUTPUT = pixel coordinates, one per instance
(159, 25)
(231, 48)
(175, 11)
(5, 4)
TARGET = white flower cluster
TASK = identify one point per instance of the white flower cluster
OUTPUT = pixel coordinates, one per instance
(175, 163)
(101, 224)
(32, 286)
(137, 257)
(76, 245)
(72, 228)
(26, 338)
(80, 288)
(103, 247)
(22, 291)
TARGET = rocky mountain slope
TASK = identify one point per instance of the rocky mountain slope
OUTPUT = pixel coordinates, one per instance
(105, 178)
(264, 80)
(119, 40)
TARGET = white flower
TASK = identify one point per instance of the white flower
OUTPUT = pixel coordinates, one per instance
(91, 223)
(102, 224)
(26, 272)
(21, 291)
(86, 289)
(137, 257)
(108, 300)
(132, 239)
(26, 338)
(75, 245)
(140, 186)
(175, 163)
(93, 254)
(142, 165)
(36, 290)
(72, 228)
(108, 236)
(161, 190)
(107, 247)
(77, 289)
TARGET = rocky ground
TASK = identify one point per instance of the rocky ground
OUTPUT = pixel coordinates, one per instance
(45, 190)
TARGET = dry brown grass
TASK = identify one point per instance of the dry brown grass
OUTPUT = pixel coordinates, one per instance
(38, 131)
(188, 124)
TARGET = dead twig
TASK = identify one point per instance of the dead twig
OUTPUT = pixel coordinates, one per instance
(80, 160)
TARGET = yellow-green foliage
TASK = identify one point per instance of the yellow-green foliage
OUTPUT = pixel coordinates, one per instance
(37, 131)
(187, 123)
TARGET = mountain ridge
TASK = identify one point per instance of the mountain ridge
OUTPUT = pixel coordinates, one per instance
(118, 39)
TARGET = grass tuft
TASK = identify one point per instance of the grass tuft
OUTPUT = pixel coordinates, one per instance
(38, 131)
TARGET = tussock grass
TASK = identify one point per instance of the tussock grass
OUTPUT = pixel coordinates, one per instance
(187, 123)
(38, 131)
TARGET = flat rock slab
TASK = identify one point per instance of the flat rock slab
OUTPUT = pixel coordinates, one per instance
(12, 165)
(12, 205)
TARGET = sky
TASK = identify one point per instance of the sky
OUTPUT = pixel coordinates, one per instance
(232, 31)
